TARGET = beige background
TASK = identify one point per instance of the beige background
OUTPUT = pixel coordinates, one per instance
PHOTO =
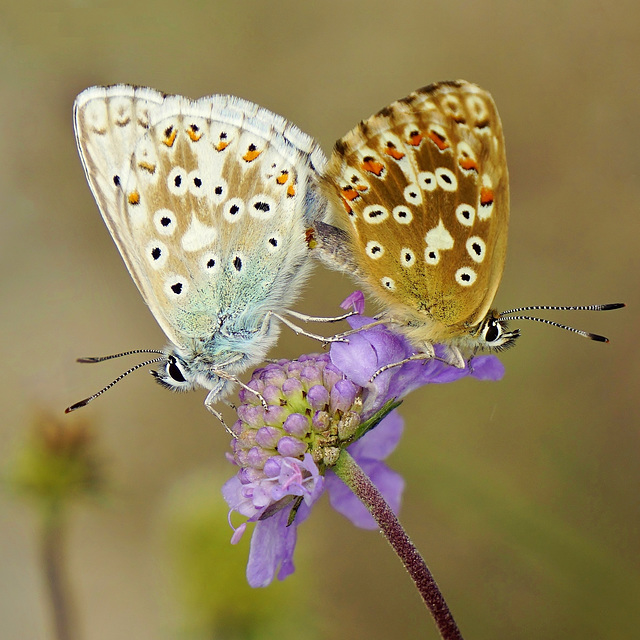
(522, 495)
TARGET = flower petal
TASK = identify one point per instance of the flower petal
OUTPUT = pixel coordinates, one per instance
(272, 545)
(378, 443)
(356, 358)
(372, 349)
(389, 483)
(356, 299)
(487, 368)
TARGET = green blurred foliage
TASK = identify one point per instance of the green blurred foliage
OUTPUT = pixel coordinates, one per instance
(212, 596)
(57, 465)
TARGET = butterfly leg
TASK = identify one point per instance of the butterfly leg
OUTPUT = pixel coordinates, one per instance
(454, 357)
(214, 395)
(369, 325)
(305, 318)
(378, 319)
(232, 378)
(218, 415)
(427, 354)
(301, 332)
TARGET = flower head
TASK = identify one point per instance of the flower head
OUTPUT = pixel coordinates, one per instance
(284, 450)
(317, 406)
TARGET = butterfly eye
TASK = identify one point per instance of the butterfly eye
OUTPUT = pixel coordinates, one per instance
(174, 370)
(495, 333)
(492, 331)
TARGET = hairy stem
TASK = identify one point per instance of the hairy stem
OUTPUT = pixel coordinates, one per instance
(348, 470)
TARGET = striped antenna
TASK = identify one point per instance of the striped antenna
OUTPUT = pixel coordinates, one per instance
(86, 401)
(505, 315)
(117, 355)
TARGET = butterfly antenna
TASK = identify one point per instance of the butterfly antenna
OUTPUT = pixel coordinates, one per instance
(117, 355)
(86, 401)
(505, 315)
(589, 307)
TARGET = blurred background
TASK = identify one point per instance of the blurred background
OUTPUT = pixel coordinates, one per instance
(522, 495)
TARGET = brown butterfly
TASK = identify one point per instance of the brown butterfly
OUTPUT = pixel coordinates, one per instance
(421, 200)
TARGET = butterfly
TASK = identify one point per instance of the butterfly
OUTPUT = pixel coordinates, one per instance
(208, 202)
(420, 195)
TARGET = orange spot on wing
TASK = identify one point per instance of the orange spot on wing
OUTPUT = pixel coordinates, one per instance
(362, 187)
(349, 193)
(194, 135)
(291, 191)
(392, 151)
(486, 196)
(251, 155)
(415, 138)
(283, 177)
(170, 137)
(438, 140)
(134, 198)
(373, 166)
(151, 168)
(221, 145)
(347, 208)
(468, 163)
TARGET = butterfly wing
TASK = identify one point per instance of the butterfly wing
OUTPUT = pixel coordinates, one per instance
(207, 201)
(421, 193)
(108, 121)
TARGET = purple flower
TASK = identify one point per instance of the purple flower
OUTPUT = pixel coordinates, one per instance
(355, 300)
(285, 453)
(371, 349)
(314, 408)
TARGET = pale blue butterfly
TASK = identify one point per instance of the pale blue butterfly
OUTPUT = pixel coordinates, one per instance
(208, 202)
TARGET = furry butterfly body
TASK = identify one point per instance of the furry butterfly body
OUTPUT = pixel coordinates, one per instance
(208, 202)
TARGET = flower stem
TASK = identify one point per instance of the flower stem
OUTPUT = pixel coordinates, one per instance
(53, 564)
(348, 470)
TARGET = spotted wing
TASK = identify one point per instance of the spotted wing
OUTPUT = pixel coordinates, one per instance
(421, 194)
(207, 201)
